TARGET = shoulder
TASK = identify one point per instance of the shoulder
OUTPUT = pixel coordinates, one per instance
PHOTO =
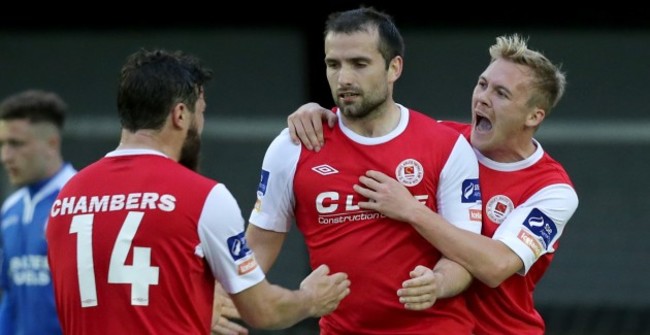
(13, 198)
(554, 170)
(460, 127)
(282, 146)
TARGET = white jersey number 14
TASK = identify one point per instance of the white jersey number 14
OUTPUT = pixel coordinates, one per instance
(140, 275)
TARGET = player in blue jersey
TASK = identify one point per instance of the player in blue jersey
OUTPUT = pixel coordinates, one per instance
(30, 149)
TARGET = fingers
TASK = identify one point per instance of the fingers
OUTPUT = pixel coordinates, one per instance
(230, 311)
(379, 176)
(343, 287)
(322, 269)
(419, 292)
(306, 125)
(329, 289)
(418, 306)
(297, 130)
(421, 271)
(331, 118)
(314, 131)
(293, 132)
(227, 327)
(417, 298)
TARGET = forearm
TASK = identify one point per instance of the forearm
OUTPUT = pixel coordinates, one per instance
(265, 244)
(455, 278)
(270, 306)
(488, 260)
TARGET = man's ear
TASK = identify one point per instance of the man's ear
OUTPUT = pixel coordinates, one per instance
(535, 118)
(395, 68)
(54, 141)
(179, 115)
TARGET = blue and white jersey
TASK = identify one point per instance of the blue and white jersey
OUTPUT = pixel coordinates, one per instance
(27, 306)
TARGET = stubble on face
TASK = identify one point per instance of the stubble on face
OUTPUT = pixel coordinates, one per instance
(190, 152)
(362, 109)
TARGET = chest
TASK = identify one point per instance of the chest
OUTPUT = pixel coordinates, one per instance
(326, 178)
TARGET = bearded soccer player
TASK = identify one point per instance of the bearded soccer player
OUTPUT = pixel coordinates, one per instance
(138, 238)
(528, 197)
(363, 60)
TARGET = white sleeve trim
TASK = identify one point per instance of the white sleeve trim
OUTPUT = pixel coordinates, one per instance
(459, 172)
(558, 203)
(223, 242)
(274, 208)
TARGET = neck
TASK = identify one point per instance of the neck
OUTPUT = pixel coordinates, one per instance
(148, 139)
(512, 153)
(379, 122)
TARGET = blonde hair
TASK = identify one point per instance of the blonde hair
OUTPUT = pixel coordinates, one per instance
(548, 81)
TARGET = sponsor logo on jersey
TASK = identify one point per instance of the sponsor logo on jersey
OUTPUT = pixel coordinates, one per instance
(29, 270)
(238, 247)
(541, 226)
(471, 191)
(498, 208)
(246, 266)
(409, 172)
(531, 241)
(475, 214)
(324, 170)
(335, 208)
(264, 180)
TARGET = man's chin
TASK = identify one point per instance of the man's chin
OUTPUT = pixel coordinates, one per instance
(479, 139)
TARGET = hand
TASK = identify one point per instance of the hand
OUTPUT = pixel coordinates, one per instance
(421, 291)
(306, 125)
(385, 195)
(326, 290)
(222, 311)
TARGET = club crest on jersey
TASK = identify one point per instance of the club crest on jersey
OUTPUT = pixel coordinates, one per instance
(409, 172)
(498, 208)
(237, 246)
(264, 181)
(541, 226)
(471, 191)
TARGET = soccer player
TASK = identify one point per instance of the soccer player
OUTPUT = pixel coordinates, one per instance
(138, 238)
(363, 59)
(528, 197)
(31, 122)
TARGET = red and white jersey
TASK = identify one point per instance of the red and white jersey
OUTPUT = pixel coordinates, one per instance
(315, 188)
(526, 205)
(136, 242)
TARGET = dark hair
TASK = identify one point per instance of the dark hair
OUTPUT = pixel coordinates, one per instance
(36, 106)
(153, 81)
(391, 43)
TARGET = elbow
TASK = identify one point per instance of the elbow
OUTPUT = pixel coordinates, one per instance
(499, 268)
(494, 275)
(492, 282)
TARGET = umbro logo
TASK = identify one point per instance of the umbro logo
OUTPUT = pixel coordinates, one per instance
(324, 170)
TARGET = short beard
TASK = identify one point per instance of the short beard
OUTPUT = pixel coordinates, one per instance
(362, 111)
(190, 152)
